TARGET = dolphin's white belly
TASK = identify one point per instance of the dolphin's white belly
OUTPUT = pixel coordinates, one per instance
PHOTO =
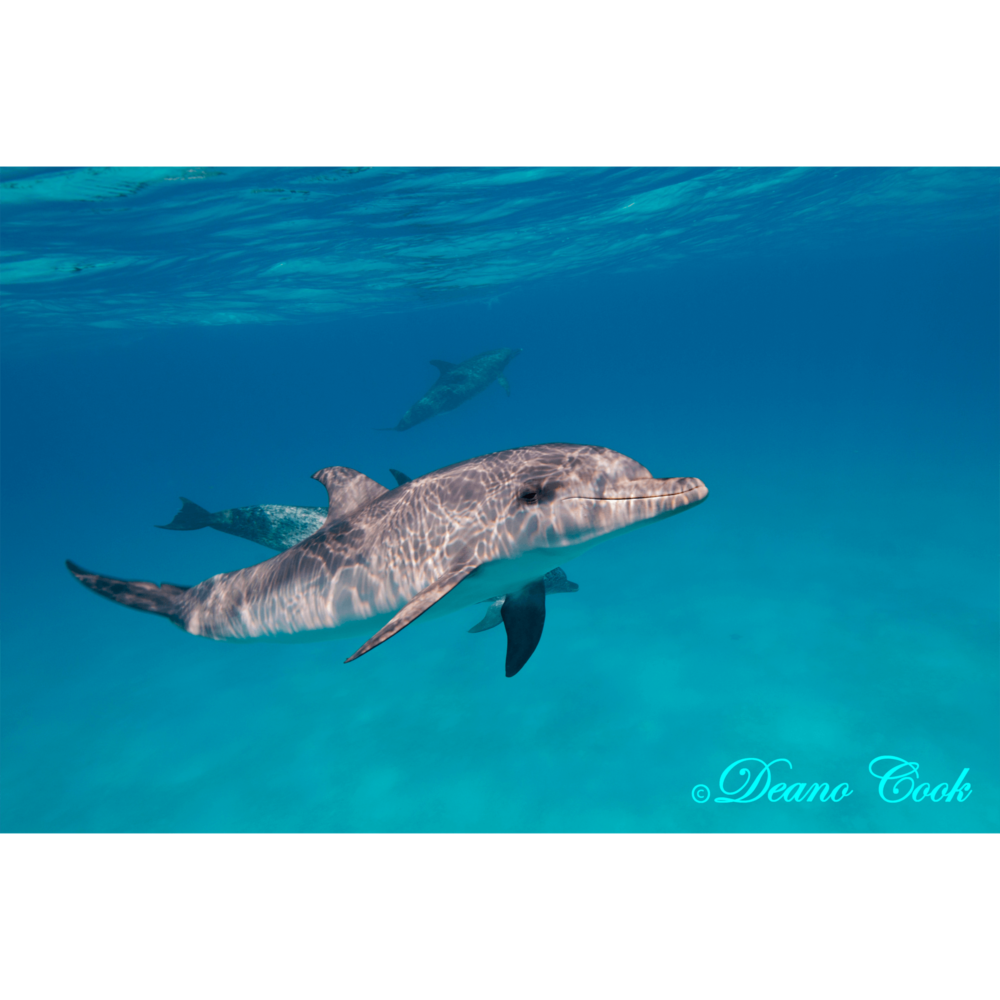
(349, 630)
(503, 577)
(488, 581)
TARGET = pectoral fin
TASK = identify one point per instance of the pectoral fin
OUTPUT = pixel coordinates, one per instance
(491, 619)
(411, 611)
(523, 616)
(504, 383)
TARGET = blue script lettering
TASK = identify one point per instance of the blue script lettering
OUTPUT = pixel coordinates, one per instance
(898, 782)
(967, 788)
(756, 783)
(745, 793)
(791, 795)
(840, 792)
(823, 795)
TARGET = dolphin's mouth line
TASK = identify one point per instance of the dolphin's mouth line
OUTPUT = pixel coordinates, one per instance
(652, 496)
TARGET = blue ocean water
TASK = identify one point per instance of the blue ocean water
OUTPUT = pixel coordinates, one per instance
(819, 346)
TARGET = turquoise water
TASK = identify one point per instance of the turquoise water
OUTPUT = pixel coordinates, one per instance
(819, 346)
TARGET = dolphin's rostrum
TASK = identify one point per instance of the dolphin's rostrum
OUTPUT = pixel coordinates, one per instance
(491, 525)
(458, 383)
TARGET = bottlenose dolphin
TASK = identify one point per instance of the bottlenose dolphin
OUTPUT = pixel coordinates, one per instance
(490, 525)
(279, 527)
(457, 383)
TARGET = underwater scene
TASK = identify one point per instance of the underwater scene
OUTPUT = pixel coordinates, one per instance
(635, 500)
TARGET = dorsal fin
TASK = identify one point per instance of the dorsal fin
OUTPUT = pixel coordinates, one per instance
(348, 491)
(443, 366)
(400, 477)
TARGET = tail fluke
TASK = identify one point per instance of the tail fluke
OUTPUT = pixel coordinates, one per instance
(556, 582)
(138, 594)
(189, 518)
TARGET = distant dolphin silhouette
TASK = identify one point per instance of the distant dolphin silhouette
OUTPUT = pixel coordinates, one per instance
(458, 383)
(279, 527)
(490, 525)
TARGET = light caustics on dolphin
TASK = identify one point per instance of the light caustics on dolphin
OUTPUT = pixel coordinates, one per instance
(458, 383)
(491, 525)
(281, 527)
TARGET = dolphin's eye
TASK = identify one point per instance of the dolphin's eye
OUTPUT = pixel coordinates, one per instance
(538, 492)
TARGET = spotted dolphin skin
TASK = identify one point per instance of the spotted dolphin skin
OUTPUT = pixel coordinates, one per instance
(279, 527)
(272, 525)
(491, 525)
(457, 383)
